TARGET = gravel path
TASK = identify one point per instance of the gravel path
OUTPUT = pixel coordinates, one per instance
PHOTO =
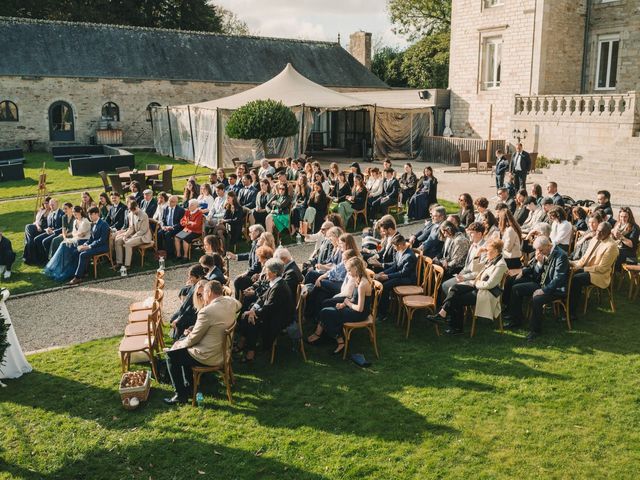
(92, 311)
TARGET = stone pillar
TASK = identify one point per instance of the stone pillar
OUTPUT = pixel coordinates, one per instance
(360, 47)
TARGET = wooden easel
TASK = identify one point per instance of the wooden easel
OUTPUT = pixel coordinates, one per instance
(42, 187)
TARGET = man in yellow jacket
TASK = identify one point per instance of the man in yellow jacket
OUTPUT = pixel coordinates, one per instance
(595, 267)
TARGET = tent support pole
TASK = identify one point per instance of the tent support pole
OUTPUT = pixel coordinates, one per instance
(219, 138)
(193, 145)
(301, 140)
(373, 132)
(411, 137)
(173, 153)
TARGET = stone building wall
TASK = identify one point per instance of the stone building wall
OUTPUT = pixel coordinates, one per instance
(560, 28)
(617, 17)
(471, 24)
(34, 97)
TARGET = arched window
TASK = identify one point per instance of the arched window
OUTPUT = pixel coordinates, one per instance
(8, 111)
(150, 107)
(61, 123)
(111, 112)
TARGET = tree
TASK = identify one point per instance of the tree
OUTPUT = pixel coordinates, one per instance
(415, 18)
(231, 23)
(179, 14)
(425, 64)
(387, 65)
(262, 120)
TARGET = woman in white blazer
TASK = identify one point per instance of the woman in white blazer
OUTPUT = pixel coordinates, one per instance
(511, 236)
(483, 292)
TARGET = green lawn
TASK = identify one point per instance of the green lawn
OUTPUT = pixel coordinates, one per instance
(59, 179)
(488, 407)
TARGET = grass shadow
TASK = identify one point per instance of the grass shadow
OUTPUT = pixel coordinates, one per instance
(176, 457)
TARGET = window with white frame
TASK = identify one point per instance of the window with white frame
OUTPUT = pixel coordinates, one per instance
(491, 62)
(607, 67)
(493, 3)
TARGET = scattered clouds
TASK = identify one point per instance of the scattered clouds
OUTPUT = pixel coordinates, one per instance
(316, 20)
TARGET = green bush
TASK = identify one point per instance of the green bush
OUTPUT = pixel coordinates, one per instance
(544, 162)
(262, 120)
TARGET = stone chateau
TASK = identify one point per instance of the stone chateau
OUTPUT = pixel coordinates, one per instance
(567, 72)
(61, 82)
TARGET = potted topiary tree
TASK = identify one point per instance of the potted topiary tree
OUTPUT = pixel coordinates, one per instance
(262, 120)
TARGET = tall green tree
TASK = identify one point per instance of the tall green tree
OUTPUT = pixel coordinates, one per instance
(387, 65)
(179, 14)
(416, 18)
(425, 64)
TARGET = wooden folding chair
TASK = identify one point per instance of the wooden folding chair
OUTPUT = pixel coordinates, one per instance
(147, 344)
(147, 303)
(301, 302)
(428, 300)
(499, 318)
(225, 370)
(423, 274)
(357, 213)
(633, 271)
(589, 289)
(370, 323)
(563, 303)
(106, 255)
(136, 328)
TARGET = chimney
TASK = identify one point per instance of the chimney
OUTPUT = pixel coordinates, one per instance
(360, 47)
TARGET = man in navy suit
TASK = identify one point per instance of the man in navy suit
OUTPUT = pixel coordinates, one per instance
(52, 230)
(429, 238)
(390, 194)
(401, 272)
(385, 257)
(234, 184)
(117, 212)
(170, 226)
(247, 194)
(98, 243)
(149, 204)
(543, 280)
(520, 166)
(245, 280)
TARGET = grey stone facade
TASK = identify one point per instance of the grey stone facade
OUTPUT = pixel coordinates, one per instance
(89, 65)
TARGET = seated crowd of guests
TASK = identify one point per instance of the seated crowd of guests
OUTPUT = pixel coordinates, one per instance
(482, 253)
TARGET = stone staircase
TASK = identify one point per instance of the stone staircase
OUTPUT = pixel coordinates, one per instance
(616, 168)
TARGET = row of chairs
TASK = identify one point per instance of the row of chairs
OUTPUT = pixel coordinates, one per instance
(409, 299)
(112, 182)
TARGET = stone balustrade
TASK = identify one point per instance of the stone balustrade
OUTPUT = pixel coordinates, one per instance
(617, 108)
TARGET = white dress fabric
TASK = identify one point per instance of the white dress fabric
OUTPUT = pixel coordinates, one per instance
(15, 363)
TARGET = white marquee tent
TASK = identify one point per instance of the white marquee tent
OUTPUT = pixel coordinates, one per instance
(195, 132)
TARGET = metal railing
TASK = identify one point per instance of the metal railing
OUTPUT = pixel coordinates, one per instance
(447, 149)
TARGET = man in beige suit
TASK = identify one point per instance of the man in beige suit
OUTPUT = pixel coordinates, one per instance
(202, 345)
(138, 233)
(595, 266)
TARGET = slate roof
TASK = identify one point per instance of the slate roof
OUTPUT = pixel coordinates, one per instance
(67, 49)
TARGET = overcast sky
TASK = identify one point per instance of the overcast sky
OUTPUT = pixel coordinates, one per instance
(316, 19)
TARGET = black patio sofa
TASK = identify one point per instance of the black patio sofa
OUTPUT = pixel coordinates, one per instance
(88, 159)
(11, 164)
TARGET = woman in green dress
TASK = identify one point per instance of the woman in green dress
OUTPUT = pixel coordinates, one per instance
(104, 205)
(357, 200)
(278, 208)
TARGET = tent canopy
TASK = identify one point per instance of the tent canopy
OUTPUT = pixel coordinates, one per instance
(290, 88)
(400, 119)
